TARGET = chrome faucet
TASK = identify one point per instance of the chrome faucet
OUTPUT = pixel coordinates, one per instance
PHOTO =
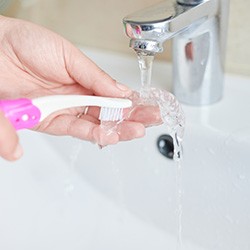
(199, 31)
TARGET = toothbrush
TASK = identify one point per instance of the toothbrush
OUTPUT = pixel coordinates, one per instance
(25, 113)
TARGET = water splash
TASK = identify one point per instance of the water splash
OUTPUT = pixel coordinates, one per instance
(171, 114)
(170, 109)
(145, 64)
(68, 185)
(179, 205)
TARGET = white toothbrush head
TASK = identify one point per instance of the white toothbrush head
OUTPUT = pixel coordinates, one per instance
(111, 114)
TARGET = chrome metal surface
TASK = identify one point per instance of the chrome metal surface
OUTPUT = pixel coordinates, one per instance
(198, 29)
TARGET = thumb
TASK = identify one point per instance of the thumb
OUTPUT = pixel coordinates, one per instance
(9, 142)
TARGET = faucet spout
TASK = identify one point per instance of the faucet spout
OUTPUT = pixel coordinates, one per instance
(198, 29)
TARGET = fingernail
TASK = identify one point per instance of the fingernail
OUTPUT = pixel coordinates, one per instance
(122, 87)
(18, 152)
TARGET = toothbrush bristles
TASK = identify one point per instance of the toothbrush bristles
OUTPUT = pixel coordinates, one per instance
(111, 114)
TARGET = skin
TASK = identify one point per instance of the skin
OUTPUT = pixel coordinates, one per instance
(36, 62)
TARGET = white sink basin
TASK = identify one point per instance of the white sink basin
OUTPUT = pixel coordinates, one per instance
(68, 194)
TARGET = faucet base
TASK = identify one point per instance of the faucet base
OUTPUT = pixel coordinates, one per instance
(198, 67)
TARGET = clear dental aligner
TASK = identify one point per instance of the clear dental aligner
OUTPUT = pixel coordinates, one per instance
(171, 112)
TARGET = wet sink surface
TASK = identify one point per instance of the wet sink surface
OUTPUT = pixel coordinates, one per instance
(68, 194)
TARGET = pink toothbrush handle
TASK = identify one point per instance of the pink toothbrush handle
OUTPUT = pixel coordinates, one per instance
(20, 112)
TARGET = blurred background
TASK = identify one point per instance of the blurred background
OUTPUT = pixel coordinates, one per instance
(98, 23)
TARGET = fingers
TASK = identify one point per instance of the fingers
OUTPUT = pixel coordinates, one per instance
(89, 75)
(128, 130)
(147, 115)
(88, 128)
(9, 143)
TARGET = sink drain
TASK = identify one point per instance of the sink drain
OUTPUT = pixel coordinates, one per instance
(166, 146)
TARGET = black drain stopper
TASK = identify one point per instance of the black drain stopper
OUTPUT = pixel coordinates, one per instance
(166, 146)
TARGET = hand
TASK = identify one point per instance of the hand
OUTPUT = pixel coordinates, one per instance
(37, 62)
